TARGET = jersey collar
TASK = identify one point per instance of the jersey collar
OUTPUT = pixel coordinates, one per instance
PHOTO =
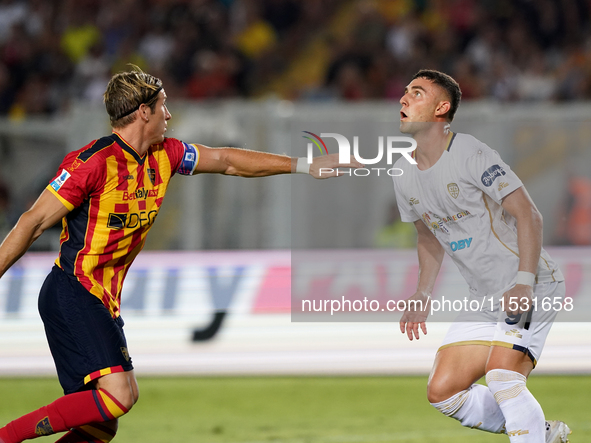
(129, 149)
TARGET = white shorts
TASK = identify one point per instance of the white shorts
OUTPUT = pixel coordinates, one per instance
(528, 335)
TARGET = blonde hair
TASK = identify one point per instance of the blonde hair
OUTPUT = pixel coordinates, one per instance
(126, 92)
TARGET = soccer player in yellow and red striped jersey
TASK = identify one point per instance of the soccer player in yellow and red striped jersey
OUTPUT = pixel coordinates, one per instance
(105, 232)
(108, 195)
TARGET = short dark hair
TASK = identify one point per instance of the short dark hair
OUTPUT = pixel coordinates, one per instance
(451, 87)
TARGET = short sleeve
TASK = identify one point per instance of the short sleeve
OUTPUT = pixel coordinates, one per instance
(407, 214)
(184, 157)
(487, 171)
(75, 180)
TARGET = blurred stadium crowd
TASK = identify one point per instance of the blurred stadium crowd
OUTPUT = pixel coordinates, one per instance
(54, 51)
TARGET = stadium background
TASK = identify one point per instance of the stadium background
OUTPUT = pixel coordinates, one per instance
(210, 295)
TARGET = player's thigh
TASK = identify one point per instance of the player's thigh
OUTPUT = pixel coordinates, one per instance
(455, 369)
(518, 347)
(509, 359)
(121, 385)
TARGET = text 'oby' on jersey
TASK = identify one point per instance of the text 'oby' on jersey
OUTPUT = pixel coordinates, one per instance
(459, 199)
(114, 196)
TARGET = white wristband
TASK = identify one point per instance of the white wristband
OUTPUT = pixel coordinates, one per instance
(525, 278)
(302, 166)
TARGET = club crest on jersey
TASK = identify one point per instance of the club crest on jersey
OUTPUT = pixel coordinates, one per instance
(125, 353)
(453, 189)
(413, 201)
(489, 176)
(152, 175)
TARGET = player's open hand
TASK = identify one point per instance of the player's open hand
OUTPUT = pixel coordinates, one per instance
(326, 166)
(518, 299)
(415, 315)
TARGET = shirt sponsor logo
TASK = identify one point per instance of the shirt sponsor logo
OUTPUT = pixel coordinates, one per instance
(140, 194)
(460, 244)
(503, 185)
(132, 220)
(453, 189)
(489, 176)
(59, 181)
(189, 157)
(435, 224)
(455, 217)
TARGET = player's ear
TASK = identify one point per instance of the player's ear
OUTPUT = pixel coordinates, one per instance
(145, 111)
(442, 108)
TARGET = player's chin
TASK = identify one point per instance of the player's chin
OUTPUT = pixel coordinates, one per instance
(405, 127)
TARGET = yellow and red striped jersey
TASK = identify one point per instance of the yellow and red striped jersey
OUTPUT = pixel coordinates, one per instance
(114, 196)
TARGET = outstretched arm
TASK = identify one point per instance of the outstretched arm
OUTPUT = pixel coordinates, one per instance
(529, 241)
(247, 163)
(45, 213)
(430, 255)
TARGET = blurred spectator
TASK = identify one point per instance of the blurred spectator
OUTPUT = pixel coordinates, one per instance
(81, 33)
(506, 50)
(575, 229)
(213, 77)
(258, 36)
(11, 12)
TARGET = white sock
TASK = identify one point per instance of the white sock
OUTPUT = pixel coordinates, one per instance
(524, 418)
(474, 408)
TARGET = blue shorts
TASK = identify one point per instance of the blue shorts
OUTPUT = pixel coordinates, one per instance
(85, 341)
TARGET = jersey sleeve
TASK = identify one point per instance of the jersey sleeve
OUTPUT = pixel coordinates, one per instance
(487, 171)
(76, 180)
(407, 214)
(184, 157)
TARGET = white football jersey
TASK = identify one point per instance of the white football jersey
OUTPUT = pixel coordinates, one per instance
(459, 199)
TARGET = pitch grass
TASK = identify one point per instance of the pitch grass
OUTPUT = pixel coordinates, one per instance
(299, 409)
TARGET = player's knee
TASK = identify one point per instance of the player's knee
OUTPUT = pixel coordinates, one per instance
(126, 398)
(129, 396)
(125, 395)
(438, 390)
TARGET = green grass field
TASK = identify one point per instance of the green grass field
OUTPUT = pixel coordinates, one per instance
(299, 409)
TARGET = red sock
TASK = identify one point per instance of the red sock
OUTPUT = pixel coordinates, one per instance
(69, 411)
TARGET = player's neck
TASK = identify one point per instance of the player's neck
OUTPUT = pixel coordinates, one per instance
(431, 144)
(134, 138)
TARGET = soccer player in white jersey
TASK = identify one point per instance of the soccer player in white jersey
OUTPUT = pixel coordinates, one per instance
(466, 202)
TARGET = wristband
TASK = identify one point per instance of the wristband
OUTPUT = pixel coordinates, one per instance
(525, 278)
(302, 167)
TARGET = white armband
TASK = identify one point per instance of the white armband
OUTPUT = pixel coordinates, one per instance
(525, 278)
(302, 166)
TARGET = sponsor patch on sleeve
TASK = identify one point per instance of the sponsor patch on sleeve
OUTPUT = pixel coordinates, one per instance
(189, 161)
(491, 174)
(60, 180)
